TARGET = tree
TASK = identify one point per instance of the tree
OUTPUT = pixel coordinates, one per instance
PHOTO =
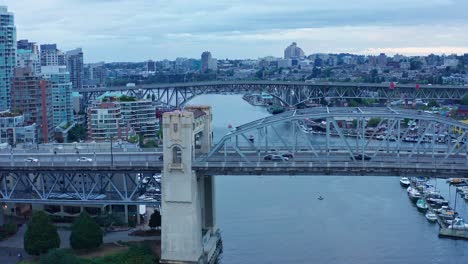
(433, 103)
(373, 122)
(155, 220)
(41, 235)
(77, 133)
(464, 100)
(86, 233)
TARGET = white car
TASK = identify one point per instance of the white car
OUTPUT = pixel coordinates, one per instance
(31, 159)
(84, 159)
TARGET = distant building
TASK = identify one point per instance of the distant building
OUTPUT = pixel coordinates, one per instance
(293, 52)
(50, 55)
(7, 56)
(95, 73)
(13, 129)
(27, 58)
(59, 79)
(382, 59)
(32, 96)
(74, 62)
(208, 63)
(151, 66)
(284, 63)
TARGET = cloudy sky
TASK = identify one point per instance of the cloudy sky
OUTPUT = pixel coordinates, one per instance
(137, 30)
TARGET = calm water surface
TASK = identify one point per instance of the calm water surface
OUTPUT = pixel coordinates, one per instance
(278, 219)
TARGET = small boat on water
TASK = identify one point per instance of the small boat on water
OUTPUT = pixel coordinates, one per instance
(431, 217)
(320, 198)
(405, 182)
(413, 194)
(422, 205)
(458, 224)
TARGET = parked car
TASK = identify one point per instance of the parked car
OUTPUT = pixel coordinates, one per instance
(31, 159)
(84, 159)
(359, 157)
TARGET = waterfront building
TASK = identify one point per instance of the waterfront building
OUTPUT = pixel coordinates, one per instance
(32, 96)
(59, 79)
(13, 129)
(7, 56)
(105, 121)
(122, 117)
(74, 62)
(293, 52)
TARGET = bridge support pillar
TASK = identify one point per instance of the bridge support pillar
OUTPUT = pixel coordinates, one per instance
(181, 240)
(2, 216)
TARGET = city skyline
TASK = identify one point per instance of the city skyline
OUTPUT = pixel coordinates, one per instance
(241, 29)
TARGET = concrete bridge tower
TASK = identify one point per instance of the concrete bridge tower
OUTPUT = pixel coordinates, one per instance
(189, 233)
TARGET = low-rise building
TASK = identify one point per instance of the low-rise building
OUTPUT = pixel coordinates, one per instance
(13, 129)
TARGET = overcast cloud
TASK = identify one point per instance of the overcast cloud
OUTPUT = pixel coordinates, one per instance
(137, 30)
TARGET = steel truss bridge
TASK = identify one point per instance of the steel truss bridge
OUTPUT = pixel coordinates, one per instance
(286, 93)
(344, 141)
(323, 141)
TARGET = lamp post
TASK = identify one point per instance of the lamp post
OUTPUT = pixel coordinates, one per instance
(112, 154)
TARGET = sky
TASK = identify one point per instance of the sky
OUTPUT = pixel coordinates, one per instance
(138, 30)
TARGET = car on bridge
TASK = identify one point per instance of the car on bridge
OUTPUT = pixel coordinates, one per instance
(275, 157)
(84, 159)
(360, 157)
(288, 155)
(31, 159)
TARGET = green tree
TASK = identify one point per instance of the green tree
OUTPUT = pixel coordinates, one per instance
(59, 256)
(155, 220)
(41, 235)
(464, 100)
(432, 103)
(373, 122)
(77, 133)
(86, 233)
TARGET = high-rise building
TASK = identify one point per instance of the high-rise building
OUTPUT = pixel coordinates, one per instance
(49, 55)
(208, 63)
(151, 66)
(59, 79)
(32, 96)
(27, 58)
(7, 56)
(24, 44)
(293, 52)
(140, 115)
(105, 121)
(74, 61)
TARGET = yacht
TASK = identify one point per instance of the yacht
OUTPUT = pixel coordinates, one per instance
(422, 205)
(413, 194)
(458, 224)
(405, 182)
(431, 217)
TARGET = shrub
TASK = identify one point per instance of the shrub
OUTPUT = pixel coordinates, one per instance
(59, 256)
(10, 229)
(134, 255)
(155, 219)
(41, 235)
(86, 233)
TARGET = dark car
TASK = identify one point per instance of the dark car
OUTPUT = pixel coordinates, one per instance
(268, 157)
(359, 157)
(288, 155)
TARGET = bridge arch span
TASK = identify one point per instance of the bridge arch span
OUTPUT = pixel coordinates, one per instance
(382, 137)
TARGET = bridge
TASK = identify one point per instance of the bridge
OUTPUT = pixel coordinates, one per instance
(317, 141)
(286, 93)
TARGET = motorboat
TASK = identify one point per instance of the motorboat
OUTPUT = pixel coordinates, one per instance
(320, 198)
(405, 182)
(437, 202)
(431, 217)
(458, 224)
(413, 194)
(422, 205)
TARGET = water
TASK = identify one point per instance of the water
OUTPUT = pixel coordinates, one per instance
(278, 219)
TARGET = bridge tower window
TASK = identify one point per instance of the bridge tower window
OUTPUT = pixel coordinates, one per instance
(176, 155)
